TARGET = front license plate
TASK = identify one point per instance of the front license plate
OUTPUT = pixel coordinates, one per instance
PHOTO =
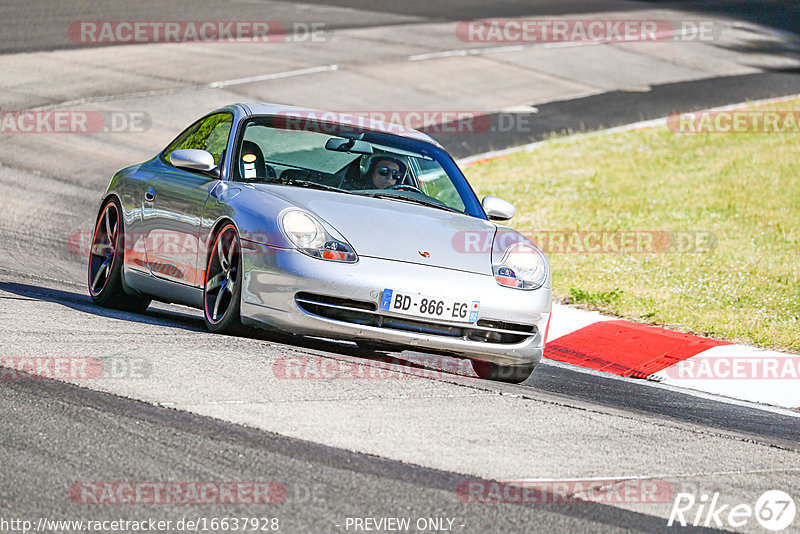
(460, 310)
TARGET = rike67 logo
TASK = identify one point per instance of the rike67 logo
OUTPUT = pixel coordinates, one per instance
(774, 510)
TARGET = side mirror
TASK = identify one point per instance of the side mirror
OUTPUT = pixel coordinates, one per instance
(498, 209)
(193, 160)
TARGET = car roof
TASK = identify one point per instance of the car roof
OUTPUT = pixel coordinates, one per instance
(336, 117)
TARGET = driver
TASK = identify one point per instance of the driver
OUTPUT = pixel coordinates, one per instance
(384, 171)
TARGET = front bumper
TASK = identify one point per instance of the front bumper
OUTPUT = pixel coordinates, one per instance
(273, 278)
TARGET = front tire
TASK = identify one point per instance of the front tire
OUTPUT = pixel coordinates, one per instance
(513, 374)
(106, 256)
(222, 286)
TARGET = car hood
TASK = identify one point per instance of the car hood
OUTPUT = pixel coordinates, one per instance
(397, 230)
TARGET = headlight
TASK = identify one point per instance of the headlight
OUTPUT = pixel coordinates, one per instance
(523, 267)
(310, 237)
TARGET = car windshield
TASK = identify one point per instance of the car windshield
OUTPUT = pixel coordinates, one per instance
(344, 159)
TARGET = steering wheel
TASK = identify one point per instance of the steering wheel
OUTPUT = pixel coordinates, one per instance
(406, 187)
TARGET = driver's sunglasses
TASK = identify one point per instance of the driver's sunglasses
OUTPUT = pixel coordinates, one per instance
(386, 171)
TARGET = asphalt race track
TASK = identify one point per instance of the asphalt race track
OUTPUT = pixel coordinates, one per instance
(189, 406)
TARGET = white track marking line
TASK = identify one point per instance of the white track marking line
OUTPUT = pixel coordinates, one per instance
(273, 76)
(495, 50)
(780, 390)
(716, 397)
(660, 476)
(188, 88)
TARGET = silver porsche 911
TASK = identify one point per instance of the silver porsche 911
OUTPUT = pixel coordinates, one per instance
(325, 225)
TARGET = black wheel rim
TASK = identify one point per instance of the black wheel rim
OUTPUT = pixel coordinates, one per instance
(104, 249)
(222, 275)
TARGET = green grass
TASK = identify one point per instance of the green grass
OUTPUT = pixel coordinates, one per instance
(743, 188)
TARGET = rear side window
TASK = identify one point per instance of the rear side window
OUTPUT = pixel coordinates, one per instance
(210, 134)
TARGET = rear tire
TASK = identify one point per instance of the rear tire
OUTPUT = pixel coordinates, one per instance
(106, 256)
(513, 374)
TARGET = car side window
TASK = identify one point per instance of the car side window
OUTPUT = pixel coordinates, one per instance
(210, 134)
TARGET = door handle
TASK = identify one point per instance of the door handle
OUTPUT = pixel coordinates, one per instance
(150, 195)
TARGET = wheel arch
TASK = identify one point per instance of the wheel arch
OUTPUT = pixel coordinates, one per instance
(109, 195)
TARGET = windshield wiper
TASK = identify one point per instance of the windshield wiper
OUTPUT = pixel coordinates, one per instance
(413, 200)
(306, 183)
